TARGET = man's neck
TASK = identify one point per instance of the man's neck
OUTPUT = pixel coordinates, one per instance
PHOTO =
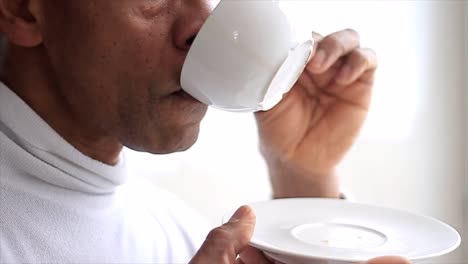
(29, 74)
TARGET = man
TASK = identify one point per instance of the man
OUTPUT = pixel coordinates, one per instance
(81, 79)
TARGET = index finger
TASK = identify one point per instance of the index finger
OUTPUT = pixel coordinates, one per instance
(332, 48)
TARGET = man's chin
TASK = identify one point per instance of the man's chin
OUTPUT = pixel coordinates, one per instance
(171, 143)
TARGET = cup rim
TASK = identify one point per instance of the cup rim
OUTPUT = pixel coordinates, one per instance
(262, 105)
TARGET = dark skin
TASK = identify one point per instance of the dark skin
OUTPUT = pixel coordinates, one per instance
(105, 74)
(98, 108)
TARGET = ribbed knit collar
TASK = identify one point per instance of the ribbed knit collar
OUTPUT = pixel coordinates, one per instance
(49, 157)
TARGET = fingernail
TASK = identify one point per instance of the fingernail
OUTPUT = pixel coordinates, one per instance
(240, 214)
(319, 58)
(344, 74)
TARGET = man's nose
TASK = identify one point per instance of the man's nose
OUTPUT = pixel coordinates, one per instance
(191, 18)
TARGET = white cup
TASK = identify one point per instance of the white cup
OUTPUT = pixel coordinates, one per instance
(245, 57)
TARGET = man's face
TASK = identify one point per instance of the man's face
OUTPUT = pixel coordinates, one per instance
(117, 64)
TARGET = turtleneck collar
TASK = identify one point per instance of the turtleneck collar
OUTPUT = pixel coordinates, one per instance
(50, 158)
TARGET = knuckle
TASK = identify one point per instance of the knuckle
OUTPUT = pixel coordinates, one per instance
(333, 39)
(219, 235)
(361, 56)
(369, 56)
(219, 242)
(353, 33)
(334, 43)
(343, 41)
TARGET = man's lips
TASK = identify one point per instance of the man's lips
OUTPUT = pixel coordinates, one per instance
(184, 95)
(180, 92)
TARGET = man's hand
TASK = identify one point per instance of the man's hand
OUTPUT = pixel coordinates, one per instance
(308, 133)
(228, 244)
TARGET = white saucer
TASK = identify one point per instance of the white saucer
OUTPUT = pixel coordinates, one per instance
(314, 230)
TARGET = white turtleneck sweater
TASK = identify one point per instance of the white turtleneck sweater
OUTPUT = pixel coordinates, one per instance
(60, 206)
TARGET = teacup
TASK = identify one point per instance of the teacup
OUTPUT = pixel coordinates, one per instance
(245, 57)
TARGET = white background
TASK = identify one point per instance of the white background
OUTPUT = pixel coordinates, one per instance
(466, 131)
(412, 152)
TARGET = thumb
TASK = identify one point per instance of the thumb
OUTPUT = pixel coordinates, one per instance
(224, 243)
(388, 260)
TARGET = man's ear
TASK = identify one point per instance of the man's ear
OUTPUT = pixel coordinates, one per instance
(18, 23)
